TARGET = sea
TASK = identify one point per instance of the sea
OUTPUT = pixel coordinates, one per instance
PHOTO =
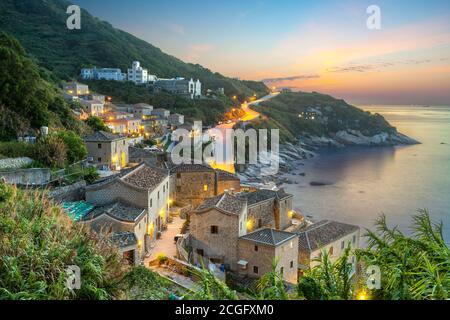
(361, 183)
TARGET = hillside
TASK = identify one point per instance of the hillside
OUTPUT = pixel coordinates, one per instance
(27, 100)
(326, 120)
(40, 25)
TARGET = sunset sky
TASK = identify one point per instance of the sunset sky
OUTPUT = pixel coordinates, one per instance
(320, 46)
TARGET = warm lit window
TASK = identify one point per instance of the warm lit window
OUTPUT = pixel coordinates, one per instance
(205, 187)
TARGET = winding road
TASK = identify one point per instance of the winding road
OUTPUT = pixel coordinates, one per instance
(226, 160)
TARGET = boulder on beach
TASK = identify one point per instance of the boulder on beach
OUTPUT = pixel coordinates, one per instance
(319, 183)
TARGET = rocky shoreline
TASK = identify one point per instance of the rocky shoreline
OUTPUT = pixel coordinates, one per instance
(292, 156)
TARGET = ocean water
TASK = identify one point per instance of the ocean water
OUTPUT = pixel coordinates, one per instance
(364, 182)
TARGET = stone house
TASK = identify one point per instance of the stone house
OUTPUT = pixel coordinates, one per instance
(227, 182)
(144, 186)
(94, 107)
(129, 126)
(268, 208)
(329, 236)
(219, 233)
(193, 183)
(161, 113)
(76, 89)
(107, 150)
(215, 228)
(259, 249)
(125, 224)
(176, 119)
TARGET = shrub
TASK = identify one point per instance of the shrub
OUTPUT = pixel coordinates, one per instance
(39, 242)
(91, 175)
(51, 151)
(76, 149)
(162, 259)
(96, 124)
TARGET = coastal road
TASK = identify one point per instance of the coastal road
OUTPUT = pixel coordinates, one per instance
(226, 160)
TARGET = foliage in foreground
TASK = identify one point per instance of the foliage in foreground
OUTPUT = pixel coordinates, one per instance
(412, 267)
(38, 242)
(328, 280)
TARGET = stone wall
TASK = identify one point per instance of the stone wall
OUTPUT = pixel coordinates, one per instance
(74, 192)
(261, 215)
(263, 257)
(15, 163)
(117, 190)
(38, 177)
(224, 244)
(190, 187)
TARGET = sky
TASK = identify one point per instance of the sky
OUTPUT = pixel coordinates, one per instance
(308, 45)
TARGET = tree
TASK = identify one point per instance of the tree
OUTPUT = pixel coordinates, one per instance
(76, 149)
(96, 124)
(412, 267)
(51, 151)
(310, 289)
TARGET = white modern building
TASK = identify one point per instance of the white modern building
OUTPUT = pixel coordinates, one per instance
(139, 75)
(114, 74)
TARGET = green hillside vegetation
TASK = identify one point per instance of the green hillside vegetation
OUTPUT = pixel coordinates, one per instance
(41, 27)
(27, 101)
(208, 110)
(283, 111)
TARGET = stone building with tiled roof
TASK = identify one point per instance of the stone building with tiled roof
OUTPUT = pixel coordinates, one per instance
(215, 228)
(117, 219)
(258, 250)
(222, 231)
(326, 235)
(268, 208)
(107, 150)
(146, 187)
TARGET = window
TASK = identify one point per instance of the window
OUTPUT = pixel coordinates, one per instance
(256, 248)
(282, 270)
(292, 264)
(342, 244)
(178, 175)
(331, 251)
(158, 195)
(99, 145)
(205, 187)
(151, 203)
(259, 223)
(164, 189)
(255, 270)
(354, 239)
(99, 159)
(214, 229)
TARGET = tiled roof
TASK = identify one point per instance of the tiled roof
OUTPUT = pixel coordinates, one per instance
(225, 176)
(191, 168)
(123, 239)
(263, 195)
(146, 177)
(323, 233)
(117, 210)
(224, 202)
(269, 236)
(103, 136)
(142, 153)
